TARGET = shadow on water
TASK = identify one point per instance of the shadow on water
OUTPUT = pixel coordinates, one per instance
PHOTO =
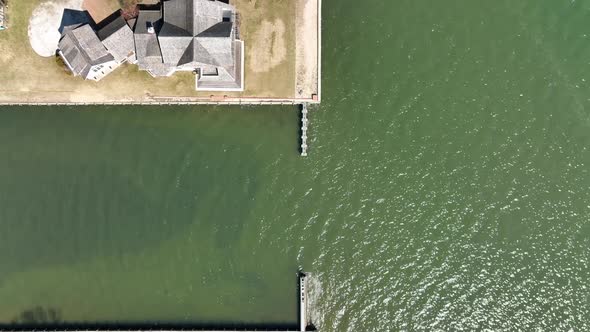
(49, 318)
(150, 326)
(36, 316)
(41, 318)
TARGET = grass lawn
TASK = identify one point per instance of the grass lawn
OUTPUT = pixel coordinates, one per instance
(267, 28)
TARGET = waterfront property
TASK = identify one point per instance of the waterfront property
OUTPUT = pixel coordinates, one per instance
(198, 36)
(91, 57)
(275, 56)
(191, 35)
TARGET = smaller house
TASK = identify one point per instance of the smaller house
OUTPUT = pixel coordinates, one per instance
(84, 54)
(94, 54)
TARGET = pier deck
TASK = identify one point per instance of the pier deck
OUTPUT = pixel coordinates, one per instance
(304, 123)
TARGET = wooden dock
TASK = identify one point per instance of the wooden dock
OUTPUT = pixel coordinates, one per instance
(304, 123)
(303, 322)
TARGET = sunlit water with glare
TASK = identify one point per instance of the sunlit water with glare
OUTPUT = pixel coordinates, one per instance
(447, 187)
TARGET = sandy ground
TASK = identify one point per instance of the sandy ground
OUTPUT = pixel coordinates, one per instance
(44, 24)
(267, 28)
(100, 9)
(307, 49)
(271, 46)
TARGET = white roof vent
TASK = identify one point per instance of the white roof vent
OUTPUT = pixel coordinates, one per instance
(150, 28)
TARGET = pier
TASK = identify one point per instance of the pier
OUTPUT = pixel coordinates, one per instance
(303, 322)
(304, 123)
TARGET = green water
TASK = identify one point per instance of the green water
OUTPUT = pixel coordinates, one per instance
(447, 187)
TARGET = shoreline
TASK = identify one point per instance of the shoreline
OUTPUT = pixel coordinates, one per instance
(207, 101)
(52, 86)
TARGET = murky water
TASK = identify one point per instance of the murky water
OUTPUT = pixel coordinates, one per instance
(447, 187)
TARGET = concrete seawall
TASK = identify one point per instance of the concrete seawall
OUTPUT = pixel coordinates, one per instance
(241, 101)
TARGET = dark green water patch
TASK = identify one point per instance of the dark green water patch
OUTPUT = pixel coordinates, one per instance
(78, 184)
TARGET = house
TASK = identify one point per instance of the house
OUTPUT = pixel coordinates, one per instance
(191, 35)
(84, 54)
(94, 54)
(199, 36)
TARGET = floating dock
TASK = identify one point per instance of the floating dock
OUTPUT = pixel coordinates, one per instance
(304, 123)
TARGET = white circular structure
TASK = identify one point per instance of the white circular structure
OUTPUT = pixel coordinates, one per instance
(45, 22)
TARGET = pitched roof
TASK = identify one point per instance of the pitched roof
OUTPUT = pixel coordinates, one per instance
(221, 29)
(147, 47)
(220, 51)
(115, 23)
(191, 34)
(173, 48)
(82, 49)
(179, 13)
(208, 13)
(170, 30)
(201, 54)
(148, 17)
(117, 37)
(195, 16)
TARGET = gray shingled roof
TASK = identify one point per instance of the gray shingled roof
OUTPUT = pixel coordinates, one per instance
(208, 13)
(189, 33)
(146, 17)
(82, 49)
(221, 29)
(147, 48)
(173, 48)
(218, 51)
(117, 37)
(179, 14)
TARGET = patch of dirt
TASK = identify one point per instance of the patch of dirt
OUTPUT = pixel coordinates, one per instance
(87, 95)
(44, 25)
(5, 57)
(268, 48)
(307, 49)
